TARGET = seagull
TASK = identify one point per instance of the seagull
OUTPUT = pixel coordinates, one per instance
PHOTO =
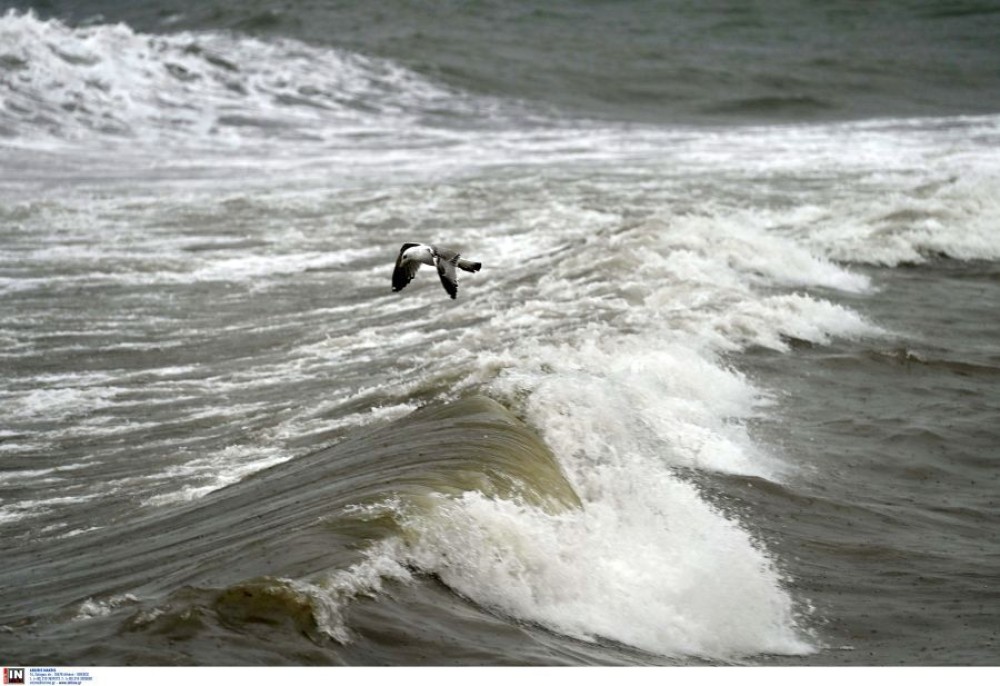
(412, 255)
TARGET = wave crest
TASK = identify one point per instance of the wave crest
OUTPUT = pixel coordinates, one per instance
(74, 83)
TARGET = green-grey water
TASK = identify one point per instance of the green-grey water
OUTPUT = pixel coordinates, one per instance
(722, 393)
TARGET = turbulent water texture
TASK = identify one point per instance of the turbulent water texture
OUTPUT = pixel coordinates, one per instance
(674, 60)
(722, 392)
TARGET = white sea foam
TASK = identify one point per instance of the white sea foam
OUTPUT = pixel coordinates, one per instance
(102, 607)
(880, 192)
(646, 561)
(254, 267)
(953, 212)
(36, 507)
(650, 565)
(204, 475)
(329, 597)
(132, 269)
(747, 245)
(57, 403)
(206, 89)
(768, 322)
(26, 476)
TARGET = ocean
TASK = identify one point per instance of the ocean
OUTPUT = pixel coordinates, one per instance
(725, 391)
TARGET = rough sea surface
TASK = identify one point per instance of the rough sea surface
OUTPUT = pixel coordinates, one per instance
(724, 392)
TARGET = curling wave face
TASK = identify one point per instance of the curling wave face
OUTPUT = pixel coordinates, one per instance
(464, 492)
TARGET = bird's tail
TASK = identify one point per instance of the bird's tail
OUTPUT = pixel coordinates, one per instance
(469, 266)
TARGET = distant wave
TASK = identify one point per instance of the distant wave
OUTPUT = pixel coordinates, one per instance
(209, 88)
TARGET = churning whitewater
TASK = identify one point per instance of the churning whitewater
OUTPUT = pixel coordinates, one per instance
(718, 389)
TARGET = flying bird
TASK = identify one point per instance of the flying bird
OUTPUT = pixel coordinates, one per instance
(412, 255)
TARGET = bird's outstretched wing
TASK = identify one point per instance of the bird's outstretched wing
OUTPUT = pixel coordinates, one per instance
(446, 270)
(403, 273)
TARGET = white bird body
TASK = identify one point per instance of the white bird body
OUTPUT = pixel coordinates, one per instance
(412, 255)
